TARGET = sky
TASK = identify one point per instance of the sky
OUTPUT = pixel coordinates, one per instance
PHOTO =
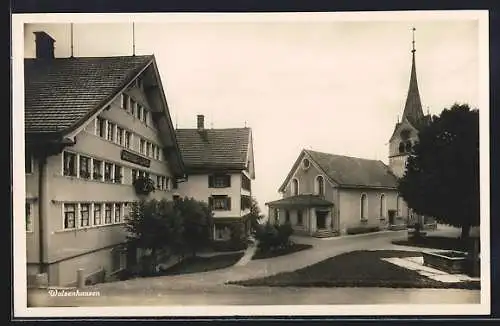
(328, 85)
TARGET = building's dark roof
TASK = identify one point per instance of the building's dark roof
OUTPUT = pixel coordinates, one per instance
(413, 105)
(62, 92)
(301, 201)
(349, 171)
(224, 149)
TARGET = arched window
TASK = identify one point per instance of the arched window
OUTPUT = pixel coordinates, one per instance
(363, 207)
(295, 187)
(401, 147)
(320, 185)
(408, 146)
(382, 206)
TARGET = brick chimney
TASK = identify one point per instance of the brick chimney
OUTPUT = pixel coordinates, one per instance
(44, 45)
(201, 122)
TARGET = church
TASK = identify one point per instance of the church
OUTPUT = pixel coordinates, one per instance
(326, 194)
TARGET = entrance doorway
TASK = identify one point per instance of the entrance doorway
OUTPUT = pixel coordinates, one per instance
(321, 219)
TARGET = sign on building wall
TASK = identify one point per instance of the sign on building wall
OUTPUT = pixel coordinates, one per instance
(134, 158)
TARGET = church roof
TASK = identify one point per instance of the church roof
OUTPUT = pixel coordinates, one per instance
(413, 106)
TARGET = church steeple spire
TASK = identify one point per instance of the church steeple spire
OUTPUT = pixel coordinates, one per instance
(413, 106)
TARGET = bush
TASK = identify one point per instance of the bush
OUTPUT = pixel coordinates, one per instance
(273, 237)
(224, 246)
(362, 229)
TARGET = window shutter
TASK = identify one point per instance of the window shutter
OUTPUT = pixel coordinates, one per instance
(210, 202)
(210, 181)
(228, 182)
(228, 201)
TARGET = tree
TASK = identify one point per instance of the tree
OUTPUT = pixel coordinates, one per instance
(255, 215)
(442, 172)
(197, 223)
(154, 225)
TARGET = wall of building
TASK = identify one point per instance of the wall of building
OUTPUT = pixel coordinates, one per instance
(63, 244)
(197, 187)
(350, 207)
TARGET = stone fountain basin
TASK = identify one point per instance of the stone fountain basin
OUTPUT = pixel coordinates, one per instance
(450, 261)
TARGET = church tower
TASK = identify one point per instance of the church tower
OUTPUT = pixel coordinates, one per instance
(405, 132)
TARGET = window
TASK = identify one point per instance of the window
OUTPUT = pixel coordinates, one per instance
(28, 161)
(176, 197)
(158, 182)
(164, 183)
(108, 210)
(84, 167)
(118, 174)
(119, 135)
(84, 215)
(287, 216)
(142, 146)
(69, 216)
(69, 164)
(382, 206)
(246, 202)
(118, 213)
(148, 145)
(300, 220)
(29, 218)
(306, 163)
(133, 107)
(219, 181)
(140, 111)
(134, 175)
(97, 170)
(126, 137)
(401, 147)
(245, 182)
(97, 214)
(295, 187)
(320, 185)
(110, 132)
(125, 102)
(101, 127)
(145, 116)
(220, 203)
(108, 167)
(363, 207)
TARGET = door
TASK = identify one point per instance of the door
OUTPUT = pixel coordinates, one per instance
(321, 219)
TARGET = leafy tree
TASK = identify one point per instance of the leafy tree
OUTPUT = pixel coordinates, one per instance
(255, 215)
(197, 223)
(442, 174)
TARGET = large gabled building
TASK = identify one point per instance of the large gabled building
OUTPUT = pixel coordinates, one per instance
(92, 126)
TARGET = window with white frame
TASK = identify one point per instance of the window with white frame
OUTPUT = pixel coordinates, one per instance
(101, 127)
(118, 213)
(84, 215)
(110, 135)
(220, 203)
(84, 167)
(383, 209)
(140, 111)
(142, 146)
(145, 116)
(126, 138)
(148, 146)
(29, 217)
(69, 215)
(363, 207)
(108, 213)
(133, 107)
(125, 102)
(118, 174)
(69, 167)
(320, 185)
(97, 170)
(97, 214)
(219, 181)
(108, 168)
(119, 135)
(295, 187)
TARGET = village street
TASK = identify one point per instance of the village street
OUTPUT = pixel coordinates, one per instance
(209, 288)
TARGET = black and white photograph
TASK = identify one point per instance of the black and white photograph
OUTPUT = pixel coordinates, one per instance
(253, 164)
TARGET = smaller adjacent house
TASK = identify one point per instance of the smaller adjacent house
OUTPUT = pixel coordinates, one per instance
(220, 168)
(325, 194)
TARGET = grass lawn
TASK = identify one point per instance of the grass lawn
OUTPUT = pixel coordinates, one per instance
(356, 269)
(434, 242)
(202, 264)
(281, 252)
